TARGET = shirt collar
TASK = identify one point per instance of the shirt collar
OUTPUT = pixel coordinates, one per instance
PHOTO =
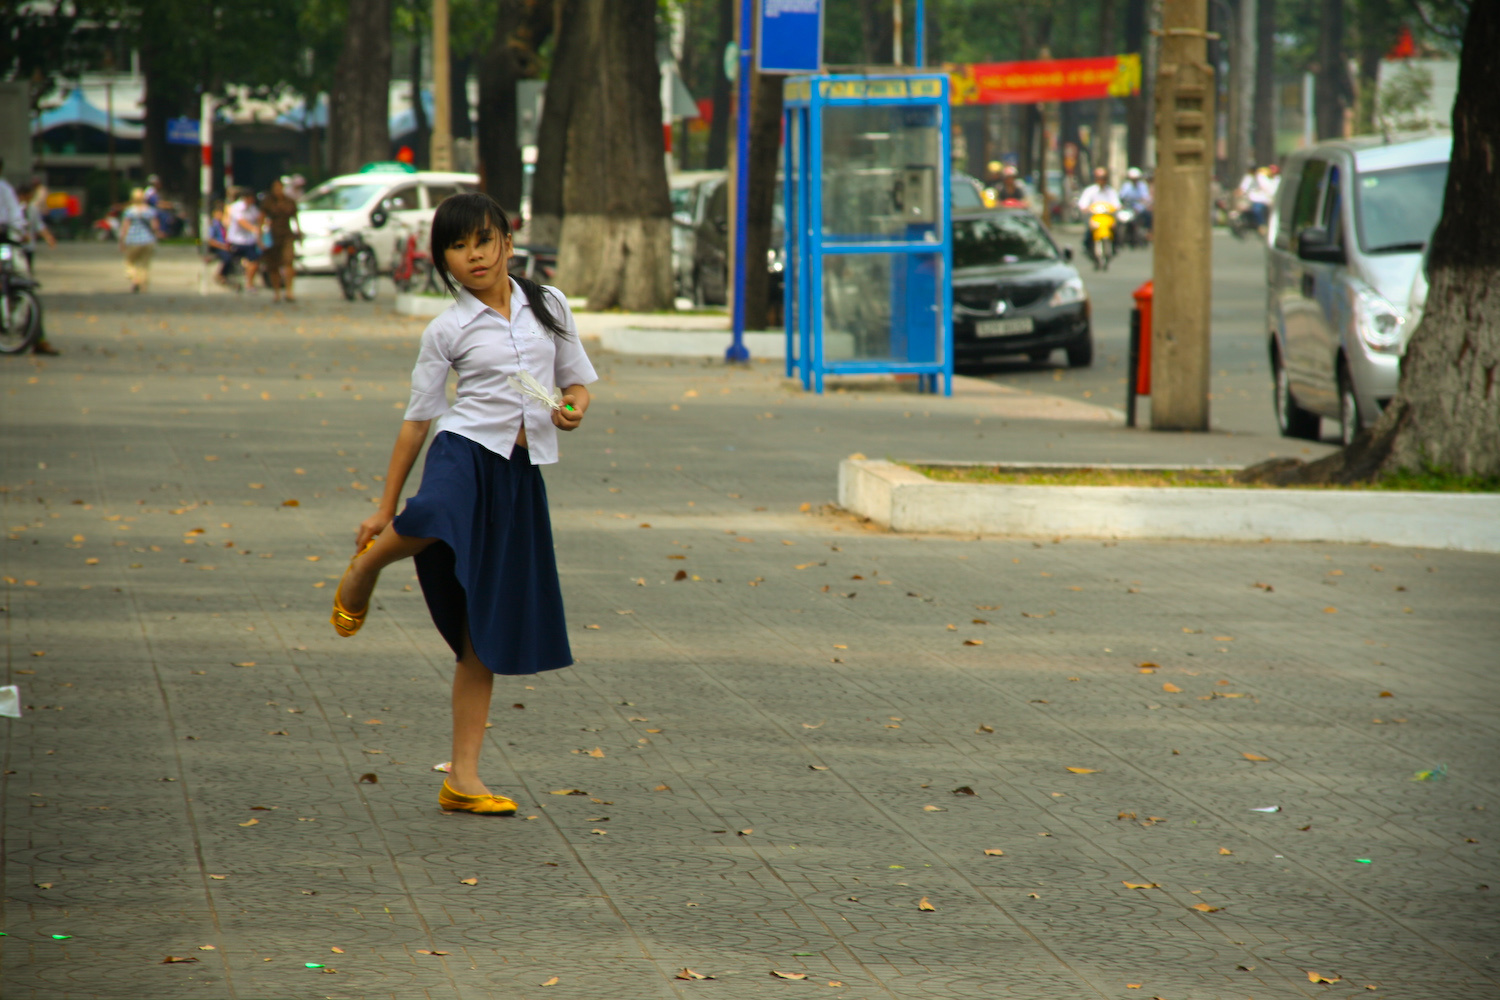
(470, 307)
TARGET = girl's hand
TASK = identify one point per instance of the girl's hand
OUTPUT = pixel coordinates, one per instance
(569, 419)
(369, 528)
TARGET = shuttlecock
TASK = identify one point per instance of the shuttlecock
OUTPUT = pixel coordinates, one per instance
(526, 384)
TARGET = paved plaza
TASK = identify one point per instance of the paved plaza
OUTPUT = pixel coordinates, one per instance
(796, 755)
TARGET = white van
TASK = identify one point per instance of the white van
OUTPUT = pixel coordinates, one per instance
(385, 203)
(1348, 230)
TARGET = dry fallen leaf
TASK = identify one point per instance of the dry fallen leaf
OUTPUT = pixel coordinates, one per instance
(1383, 694)
(1083, 770)
(985, 729)
(1141, 885)
(425, 951)
(1171, 688)
(599, 833)
(1330, 611)
(690, 974)
(170, 959)
(336, 950)
(568, 791)
(788, 975)
(925, 906)
(207, 947)
(596, 752)
(1225, 850)
(1254, 756)
(994, 852)
(468, 881)
(219, 877)
(747, 831)
(1205, 908)
(369, 778)
(934, 809)
(1132, 986)
(250, 822)
(973, 642)
(1314, 977)
(659, 788)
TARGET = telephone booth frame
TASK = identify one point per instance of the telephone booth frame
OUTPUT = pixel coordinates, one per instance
(868, 282)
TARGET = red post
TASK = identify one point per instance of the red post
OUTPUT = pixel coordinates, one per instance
(1142, 298)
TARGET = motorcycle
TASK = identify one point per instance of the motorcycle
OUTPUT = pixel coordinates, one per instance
(354, 264)
(1236, 216)
(1130, 229)
(20, 309)
(534, 262)
(1102, 224)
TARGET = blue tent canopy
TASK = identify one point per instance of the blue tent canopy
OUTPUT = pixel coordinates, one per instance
(76, 110)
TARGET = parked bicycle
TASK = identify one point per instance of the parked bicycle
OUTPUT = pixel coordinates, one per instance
(20, 309)
(354, 263)
(413, 270)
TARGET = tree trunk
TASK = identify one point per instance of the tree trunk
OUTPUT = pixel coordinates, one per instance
(359, 104)
(765, 154)
(520, 28)
(1329, 98)
(552, 133)
(718, 129)
(421, 143)
(1135, 107)
(1265, 82)
(616, 245)
(877, 32)
(499, 153)
(1105, 115)
(163, 101)
(458, 96)
(1447, 408)
(1379, 24)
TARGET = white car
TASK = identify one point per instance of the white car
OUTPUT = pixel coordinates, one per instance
(385, 205)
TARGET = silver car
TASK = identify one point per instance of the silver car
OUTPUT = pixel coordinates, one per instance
(1347, 231)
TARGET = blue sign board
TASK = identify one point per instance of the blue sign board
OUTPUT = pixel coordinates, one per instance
(182, 131)
(791, 36)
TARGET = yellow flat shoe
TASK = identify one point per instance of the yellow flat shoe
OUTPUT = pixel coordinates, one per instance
(346, 622)
(489, 805)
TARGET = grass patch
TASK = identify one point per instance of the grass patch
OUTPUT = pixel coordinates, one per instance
(1210, 478)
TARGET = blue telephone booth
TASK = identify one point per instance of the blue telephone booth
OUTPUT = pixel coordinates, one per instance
(869, 254)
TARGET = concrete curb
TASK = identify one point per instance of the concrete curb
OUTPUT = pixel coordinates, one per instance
(902, 500)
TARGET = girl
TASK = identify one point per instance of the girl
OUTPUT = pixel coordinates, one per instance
(139, 231)
(478, 527)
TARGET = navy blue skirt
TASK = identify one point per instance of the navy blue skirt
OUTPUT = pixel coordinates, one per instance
(492, 569)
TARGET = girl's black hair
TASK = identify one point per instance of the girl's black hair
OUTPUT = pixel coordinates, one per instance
(462, 215)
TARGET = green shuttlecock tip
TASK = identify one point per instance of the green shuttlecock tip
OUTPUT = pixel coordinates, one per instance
(569, 407)
(314, 965)
(61, 937)
(1364, 861)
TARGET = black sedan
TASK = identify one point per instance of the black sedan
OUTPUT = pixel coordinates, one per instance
(1015, 292)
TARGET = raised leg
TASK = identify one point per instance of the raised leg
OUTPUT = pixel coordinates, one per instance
(359, 579)
(472, 685)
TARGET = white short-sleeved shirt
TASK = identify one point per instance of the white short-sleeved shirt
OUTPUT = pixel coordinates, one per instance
(242, 221)
(485, 349)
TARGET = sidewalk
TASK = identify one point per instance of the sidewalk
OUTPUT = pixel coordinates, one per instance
(783, 736)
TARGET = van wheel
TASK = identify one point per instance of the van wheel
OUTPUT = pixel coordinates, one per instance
(1081, 351)
(1350, 420)
(1292, 420)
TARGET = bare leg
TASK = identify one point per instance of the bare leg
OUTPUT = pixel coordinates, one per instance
(359, 580)
(273, 271)
(289, 274)
(472, 684)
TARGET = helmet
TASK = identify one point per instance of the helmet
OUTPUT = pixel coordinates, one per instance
(1134, 173)
(1010, 171)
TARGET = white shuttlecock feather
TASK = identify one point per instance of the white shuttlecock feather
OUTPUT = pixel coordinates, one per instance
(527, 385)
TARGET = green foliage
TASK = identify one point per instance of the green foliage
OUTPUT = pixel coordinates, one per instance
(1432, 479)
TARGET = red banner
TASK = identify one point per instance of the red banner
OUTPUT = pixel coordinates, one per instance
(1046, 80)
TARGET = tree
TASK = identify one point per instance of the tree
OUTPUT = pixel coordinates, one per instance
(359, 104)
(1447, 406)
(520, 28)
(765, 157)
(616, 242)
(552, 132)
(718, 134)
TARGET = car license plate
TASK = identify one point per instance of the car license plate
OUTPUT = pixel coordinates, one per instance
(1001, 327)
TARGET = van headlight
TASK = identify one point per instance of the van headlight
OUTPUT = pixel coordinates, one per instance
(1068, 292)
(1381, 325)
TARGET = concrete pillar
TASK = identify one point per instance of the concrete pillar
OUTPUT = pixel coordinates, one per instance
(1182, 263)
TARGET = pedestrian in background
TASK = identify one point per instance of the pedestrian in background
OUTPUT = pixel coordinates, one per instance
(280, 258)
(139, 231)
(245, 224)
(33, 204)
(478, 528)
